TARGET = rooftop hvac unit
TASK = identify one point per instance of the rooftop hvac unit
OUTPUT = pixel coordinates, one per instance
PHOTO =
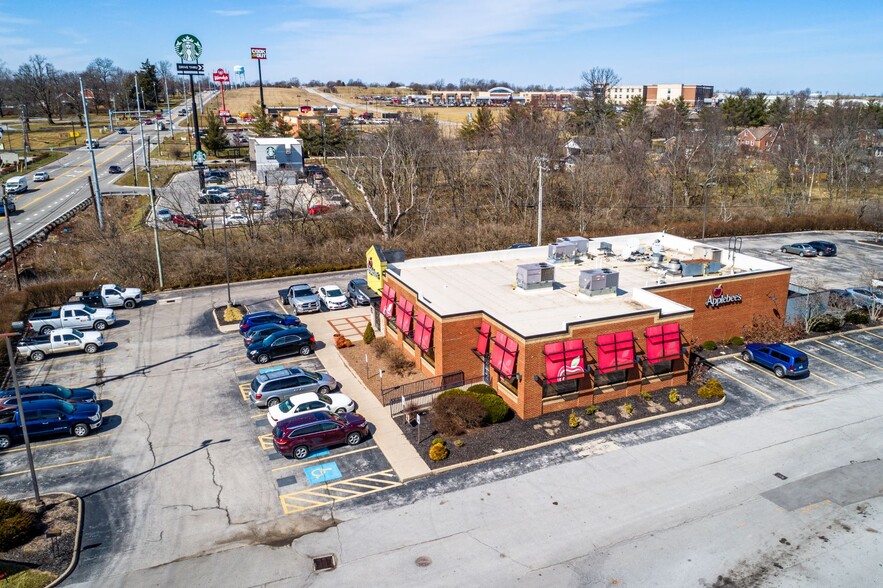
(707, 252)
(595, 282)
(582, 244)
(605, 248)
(531, 276)
(561, 251)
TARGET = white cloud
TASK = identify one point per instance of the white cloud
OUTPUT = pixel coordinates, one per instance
(232, 12)
(7, 19)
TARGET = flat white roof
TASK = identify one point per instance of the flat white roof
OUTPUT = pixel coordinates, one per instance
(486, 281)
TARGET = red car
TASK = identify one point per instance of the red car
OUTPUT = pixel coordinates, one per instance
(187, 221)
(319, 209)
(299, 435)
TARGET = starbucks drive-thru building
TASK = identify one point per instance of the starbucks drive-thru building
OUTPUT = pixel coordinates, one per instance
(577, 322)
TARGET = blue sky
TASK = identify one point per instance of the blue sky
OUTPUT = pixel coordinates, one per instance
(771, 45)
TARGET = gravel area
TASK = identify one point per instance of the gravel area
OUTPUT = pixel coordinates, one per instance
(49, 554)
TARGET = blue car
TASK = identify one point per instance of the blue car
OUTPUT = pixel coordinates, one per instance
(262, 318)
(47, 392)
(782, 359)
(122, 131)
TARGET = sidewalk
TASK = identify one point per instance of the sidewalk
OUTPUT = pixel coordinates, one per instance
(402, 456)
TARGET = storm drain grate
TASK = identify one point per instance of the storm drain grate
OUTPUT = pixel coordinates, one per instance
(170, 301)
(325, 562)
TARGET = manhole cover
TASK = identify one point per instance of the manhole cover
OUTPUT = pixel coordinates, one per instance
(325, 562)
(423, 561)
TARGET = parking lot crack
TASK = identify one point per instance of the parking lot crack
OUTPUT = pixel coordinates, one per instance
(149, 442)
(218, 506)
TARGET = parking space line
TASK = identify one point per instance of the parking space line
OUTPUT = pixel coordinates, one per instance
(282, 306)
(770, 374)
(855, 357)
(53, 443)
(370, 484)
(871, 347)
(815, 375)
(98, 354)
(257, 416)
(746, 384)
(839, 367)
(325, 458)
(58, 465)
(867, 331)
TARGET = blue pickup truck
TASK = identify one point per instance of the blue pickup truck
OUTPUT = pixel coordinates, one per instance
(49, 417)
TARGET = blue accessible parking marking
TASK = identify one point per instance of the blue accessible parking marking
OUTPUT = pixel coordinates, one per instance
(275, 368)
(323, 472)
(320, 453)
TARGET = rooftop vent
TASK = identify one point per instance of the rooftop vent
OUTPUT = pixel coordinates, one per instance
(561, 251)
(582, 244)
(707, 252)
(595, 282)
(605, 248)
(531, 276)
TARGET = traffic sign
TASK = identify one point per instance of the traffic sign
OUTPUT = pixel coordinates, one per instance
(199, 157)
(185, 69)
(258, 52)
(221, 76)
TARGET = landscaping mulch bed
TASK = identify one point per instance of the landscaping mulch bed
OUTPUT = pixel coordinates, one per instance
(355, 357)
(517, 434)
(51, 555)
(219, 314)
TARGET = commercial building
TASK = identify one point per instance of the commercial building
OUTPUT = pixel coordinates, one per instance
(654, 94)
(271, 154)
(578, 322)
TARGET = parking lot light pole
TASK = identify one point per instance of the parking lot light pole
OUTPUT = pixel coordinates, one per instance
(226, 257)
(40, 505)
(9, 234)
(98, 206)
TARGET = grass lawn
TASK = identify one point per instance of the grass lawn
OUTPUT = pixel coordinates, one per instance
(45, 158)
(242, 100)
(162, 175)
(16, 576)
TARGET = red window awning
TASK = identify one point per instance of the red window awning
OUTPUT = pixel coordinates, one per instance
(484, 334)
(616, 351)
(663, 342)
(503, 355)
(387, 302)
(404, 308)
(423, 330)
(565, 360)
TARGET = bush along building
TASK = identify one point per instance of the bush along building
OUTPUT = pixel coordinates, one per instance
(574, 323)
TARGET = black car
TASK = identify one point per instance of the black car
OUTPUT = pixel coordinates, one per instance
(114, 169)
(296, 341)
(825, 248)
(211, 199)
(355, 292)
(261, 332)
(217, 173)
(47, 392)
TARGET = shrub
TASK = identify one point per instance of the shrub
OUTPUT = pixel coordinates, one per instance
(857, 316)
(736, 341)
(646, 395)
(16, 525)
(399, 362)
(673, 395)
(459, 442)
(381, 347)
(711, 389)
(438, 452)
(590, 410)
(629, 409)
(481, 389)
(340, 342)
(452, 392)
(438, 440)
(765, 328)
(453, 415)
(368, 336)
(496, 407)
(573, 420)
(232, 314)
(709, 346)
(826, 323)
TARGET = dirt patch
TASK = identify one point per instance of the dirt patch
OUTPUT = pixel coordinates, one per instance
(370, 375)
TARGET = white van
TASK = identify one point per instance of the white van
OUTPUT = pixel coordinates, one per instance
(17, 185)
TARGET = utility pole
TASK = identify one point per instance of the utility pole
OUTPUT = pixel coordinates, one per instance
(169, 108)
(25, 124)
(9, 234)
(134, 167)
(40, 505)
(92, 158)
(152, 193)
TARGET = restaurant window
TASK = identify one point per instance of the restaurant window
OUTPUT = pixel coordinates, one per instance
(404, 308)
(616, 352)
(663, 343)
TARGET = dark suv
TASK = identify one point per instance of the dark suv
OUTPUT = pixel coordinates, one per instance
(825, 248)
(295, 341)
(49, 417)
(783, 360)
(299, 435)
(47, 392)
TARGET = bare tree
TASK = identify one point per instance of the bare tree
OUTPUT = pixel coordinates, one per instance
(38, 81)
(6, 88)
(102, 72)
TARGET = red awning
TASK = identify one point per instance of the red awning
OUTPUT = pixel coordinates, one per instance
(663, 342)
(423, 330)
(616, 351)
(503, 355)
(565, 360)
(387, 302)
(403, 315)
(484, 333)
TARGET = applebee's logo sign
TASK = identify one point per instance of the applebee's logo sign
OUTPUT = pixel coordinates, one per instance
(718, 298)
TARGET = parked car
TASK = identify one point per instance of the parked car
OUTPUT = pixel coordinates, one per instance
(211, 199)
(355, 294)
(261, 332)
(163, 214)
(114, 169)
(296, 341)
(272, 387)
(299, 435)
(281, 214)
(59, 341)
(262, 318)
(318, 209)
(782, 359)
(336, 402)
(244, 205)
(187, 221)
(801, 249)
(866, 297)
(231, 120)
(333, 298)
(216, 173)
(74, 316)
(47, 392)
(520, 245)
(41, 176)
(215, 190)
(122, 131)
(825, 248)
(49, 417)
(236, 219)
(111, 296)
(301, 297)
(148, 121)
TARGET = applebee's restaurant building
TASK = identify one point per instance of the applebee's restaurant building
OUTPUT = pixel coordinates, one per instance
(577, 322)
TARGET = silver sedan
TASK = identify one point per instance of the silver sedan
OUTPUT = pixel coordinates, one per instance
(801, 249)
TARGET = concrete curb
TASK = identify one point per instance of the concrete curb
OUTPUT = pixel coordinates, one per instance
(226, 328)
(75, 557)
(579, 436)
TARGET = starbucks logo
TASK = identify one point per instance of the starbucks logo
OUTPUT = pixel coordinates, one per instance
(188, 47)
(271, 153)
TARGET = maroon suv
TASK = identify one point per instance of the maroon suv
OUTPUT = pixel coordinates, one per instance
(299, 435)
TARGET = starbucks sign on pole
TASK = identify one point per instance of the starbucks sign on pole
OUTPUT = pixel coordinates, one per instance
(199, 157)
(188, 48)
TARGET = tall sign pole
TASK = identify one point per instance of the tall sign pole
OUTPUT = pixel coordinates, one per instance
(98, 206)
(221, 76)
(189, 48)
(260, 53)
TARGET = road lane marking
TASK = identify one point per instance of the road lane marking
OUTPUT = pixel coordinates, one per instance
(59, 465)
(839, 367)
(331, 493)
(52, 444)
(855, 357)
(772, 375)
(871, 347)
(325, 458)
(746, 384)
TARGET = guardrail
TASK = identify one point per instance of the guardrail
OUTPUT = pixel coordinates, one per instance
(41, 233)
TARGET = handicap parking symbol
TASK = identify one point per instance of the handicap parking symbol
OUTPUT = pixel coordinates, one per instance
(324, 472)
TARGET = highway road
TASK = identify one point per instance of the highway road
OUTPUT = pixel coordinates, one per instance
(44, 202)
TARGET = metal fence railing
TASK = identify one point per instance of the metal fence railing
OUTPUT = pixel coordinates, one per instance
(422, 393)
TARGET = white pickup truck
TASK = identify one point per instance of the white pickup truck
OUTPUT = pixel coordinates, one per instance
(111, 296)
(59, 341)
(74, 316)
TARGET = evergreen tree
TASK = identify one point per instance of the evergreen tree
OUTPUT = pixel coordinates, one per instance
(215, 138)
(634, 111)
(480, 127)
(149, 84)
(260, 122)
